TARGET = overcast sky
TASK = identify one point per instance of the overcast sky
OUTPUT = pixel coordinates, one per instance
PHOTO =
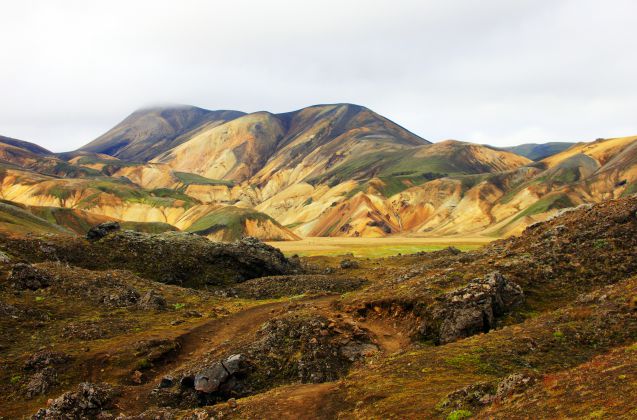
(492, 71)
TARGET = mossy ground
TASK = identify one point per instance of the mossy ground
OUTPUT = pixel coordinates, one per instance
(578, 322)
(112, 356)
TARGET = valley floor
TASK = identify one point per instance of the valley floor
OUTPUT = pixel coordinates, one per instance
(377, 247)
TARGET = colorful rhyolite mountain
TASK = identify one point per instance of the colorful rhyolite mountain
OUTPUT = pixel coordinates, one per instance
(326, 170)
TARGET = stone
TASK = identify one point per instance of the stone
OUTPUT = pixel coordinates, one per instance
(137, 377)
(211, 379)
(166, 382)
(514, 384)
(235, 363)
(349, 264)
(4, 258)
(103, 229)
(152, 300)
(26, 276)
(119, 297)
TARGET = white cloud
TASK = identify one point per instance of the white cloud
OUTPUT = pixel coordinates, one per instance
(492, 71)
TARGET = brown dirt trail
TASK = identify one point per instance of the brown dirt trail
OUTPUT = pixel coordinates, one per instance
(214, 336)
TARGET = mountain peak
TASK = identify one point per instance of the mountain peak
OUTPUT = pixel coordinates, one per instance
(150, 131)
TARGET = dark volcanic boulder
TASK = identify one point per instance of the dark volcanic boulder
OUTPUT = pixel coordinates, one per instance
(25, 276)
(98, 232)
(471, 309)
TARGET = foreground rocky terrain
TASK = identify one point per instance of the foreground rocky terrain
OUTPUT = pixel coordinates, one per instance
(170, 326)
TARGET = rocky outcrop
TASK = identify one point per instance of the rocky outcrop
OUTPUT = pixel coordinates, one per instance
(41, 382)
(308, 347)
(279, 286)
(470, 397)
(45, 358)
(471, 309)
(88, 401)
(170, 257)
(296, 347)
(25, 276)
(482, 394)
(43, 368)
(108, 289)
(220, 381)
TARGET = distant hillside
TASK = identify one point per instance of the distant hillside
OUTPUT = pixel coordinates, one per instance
(31, 147)
(436, 160)
(324, 170)
(538, 151)
(16, 219)
(232, 223)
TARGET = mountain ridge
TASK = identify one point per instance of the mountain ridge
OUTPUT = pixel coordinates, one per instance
(327, 170)
(149, 130)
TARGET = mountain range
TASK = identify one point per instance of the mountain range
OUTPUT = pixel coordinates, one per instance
(324, 170)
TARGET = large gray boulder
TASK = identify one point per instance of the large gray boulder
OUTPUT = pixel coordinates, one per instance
(470, 310)
(218, 377)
